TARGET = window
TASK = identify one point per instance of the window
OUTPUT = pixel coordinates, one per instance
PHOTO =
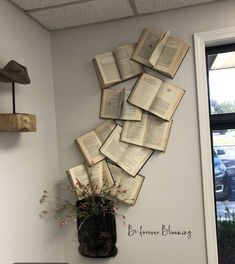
(221, 91)
(202, 40)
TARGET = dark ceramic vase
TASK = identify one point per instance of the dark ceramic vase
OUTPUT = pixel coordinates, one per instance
(97, 232)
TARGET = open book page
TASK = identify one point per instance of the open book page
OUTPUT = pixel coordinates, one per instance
(111, 103)
(128, 187)
(157, 133)
(134, 159)
(130, 112)
(108, 181)
(126, 66)
(95, 176)
(171, 56)
(89, 144)
(106, 69)
(166, 100)
(156, 53)
(113, 148)
(134, 132)
(80, 182)
(152, 132)
(144, 91)
(115, 172)
(146, 45)
(104, 130)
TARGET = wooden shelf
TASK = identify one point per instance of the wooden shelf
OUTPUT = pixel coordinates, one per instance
(17, 123)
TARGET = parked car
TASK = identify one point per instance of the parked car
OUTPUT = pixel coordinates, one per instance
(221, 131)
(222, 183)
(226, 155)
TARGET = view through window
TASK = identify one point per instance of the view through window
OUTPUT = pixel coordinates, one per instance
(221, 86)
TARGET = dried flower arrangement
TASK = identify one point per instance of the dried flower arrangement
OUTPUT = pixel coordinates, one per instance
(94, 215)
(68, 212)
(99, 192)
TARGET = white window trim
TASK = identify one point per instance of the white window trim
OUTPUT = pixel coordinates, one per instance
(201, 41)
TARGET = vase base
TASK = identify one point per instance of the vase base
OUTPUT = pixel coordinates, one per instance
(98, 254)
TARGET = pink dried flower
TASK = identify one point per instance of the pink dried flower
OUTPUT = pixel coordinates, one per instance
(67, 211)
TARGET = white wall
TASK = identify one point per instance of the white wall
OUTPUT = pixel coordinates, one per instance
(172, 192)
(28, 161)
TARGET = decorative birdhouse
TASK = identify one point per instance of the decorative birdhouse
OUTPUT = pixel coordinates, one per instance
(13, 73)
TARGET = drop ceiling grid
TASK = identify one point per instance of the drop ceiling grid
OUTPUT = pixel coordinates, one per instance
(61, 14)
(82, 13)
(34, 4)
(150, 6)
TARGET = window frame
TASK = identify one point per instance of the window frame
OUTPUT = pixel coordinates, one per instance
(201, 41)
(226, 120)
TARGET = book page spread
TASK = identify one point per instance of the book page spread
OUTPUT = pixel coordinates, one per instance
(129, 111)
(79, 180)
(158, 50)
(128, 187)
(157, 133)
(146, 45)
(129, 157)
(113, 148)
(171, 56)
(111, 103)
(134, 132)
(89, 144)
(144, 91)
(134, 159)
(114, 105)
(166, 100)
(126, 66)
(152, 132)
(104, 130)
(107, 68)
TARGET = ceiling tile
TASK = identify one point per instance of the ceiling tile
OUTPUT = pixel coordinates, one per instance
(32, 4)
(150, 6)
(82, 13)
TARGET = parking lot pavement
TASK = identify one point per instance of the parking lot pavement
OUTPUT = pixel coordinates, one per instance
(221, 208)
